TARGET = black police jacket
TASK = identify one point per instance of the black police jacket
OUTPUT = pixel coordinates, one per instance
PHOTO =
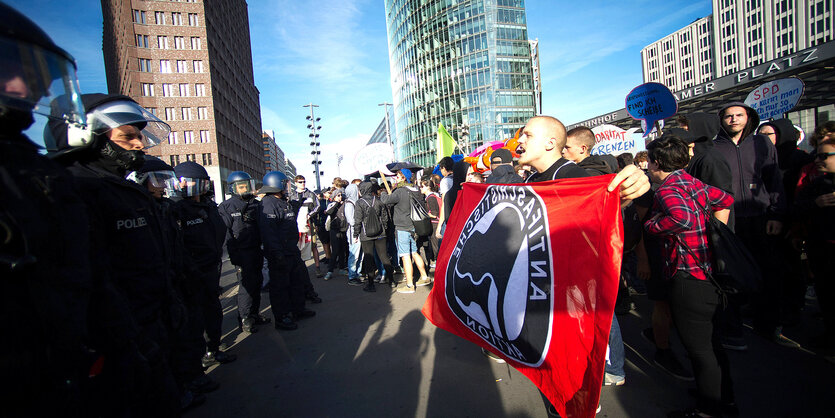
(279, 231)
(203, 231)
(241, 220)
(127, 240)
(44, 263)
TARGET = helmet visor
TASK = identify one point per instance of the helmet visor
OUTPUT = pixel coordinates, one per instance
(118, 113)
(163, 182)
(243, 187)
(194, 187)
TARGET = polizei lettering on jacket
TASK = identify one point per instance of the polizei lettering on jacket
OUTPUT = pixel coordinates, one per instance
(195, 221)
(499, 277)
(132, 223)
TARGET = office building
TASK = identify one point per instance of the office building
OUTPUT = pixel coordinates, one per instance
(190, 63)
(465, 64)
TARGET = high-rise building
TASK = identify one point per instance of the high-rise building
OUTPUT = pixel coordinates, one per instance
(190, 63)
(465, 64)
(739, 34)
(273, 155)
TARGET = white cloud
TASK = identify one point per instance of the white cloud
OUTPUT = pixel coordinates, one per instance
(347, 147)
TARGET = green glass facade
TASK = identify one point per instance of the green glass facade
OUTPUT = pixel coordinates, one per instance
(460, 63)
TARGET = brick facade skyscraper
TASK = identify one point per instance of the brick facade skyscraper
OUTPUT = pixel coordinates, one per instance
(190, 63)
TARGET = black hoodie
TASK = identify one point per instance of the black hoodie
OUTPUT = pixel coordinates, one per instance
(790, 159)
(707, 164)
(757, 182)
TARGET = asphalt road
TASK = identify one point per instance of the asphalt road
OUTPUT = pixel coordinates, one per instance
(375, 355)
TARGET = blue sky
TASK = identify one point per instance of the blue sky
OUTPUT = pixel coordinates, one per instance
(334, 53)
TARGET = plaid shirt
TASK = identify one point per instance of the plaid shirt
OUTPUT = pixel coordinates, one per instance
(676, 215)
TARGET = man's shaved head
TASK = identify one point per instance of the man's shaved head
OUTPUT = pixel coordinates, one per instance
(541, 142)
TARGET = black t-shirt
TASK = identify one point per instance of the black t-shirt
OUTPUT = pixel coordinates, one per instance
(561, 169)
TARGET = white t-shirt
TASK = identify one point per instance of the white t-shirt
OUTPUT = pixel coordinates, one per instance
(446, 184)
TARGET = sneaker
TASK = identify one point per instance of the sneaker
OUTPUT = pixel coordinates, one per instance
(380, 279)
(667, 361)
(355, 282)
(248, 325)
(492, 356)
(424, 281)
(648, 335)
(613, 380)
(313, 297)
(304, 313)
(598, 409)
(217, 357)
(734, 343)
(369, 287)
(406, 289)
(261, 320)
(328, 275)
(286, 323)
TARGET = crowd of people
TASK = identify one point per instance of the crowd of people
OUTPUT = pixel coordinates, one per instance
(113, 257)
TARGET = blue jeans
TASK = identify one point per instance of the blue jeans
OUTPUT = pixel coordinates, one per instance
(354, 258)
(615, 358)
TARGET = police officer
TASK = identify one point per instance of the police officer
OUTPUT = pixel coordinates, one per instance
(128, 244)
(203, 235)
(279, 233)
(243, 244)
(44, 246)
(186, 341)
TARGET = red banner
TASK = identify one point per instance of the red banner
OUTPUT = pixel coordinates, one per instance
(530, 272)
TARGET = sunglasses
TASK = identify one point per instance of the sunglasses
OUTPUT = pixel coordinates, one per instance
(823, 155)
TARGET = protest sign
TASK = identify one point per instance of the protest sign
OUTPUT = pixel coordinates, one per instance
(651, 102)
(544, 299)
(776, 97)
(371, 157)
(610, 139)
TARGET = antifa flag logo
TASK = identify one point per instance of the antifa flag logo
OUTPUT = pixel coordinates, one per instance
(499, 278)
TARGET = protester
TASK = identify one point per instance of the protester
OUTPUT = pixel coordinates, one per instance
(308, 207)
(433, 205)
(335, 211)
(369, 220)
(446, 165)
(407, 250)
(501, 168)
(759, 209)
(641, 160)
(474, 176)
(354, 247)
(578, 145)
(694, 301)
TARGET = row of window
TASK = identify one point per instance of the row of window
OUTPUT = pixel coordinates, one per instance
(161, 18)
(142, 41)
(204, 137)
(168, 89)
(181, 66)
(175, 159)
(185, 113)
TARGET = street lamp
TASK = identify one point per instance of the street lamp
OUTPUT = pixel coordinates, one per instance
(314, 142)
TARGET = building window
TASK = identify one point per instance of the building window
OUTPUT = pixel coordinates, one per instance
(166, 90)
(162, 42)
(153, 110)
(164, 66)
(186, 113)
(159, 18)
(188, 137)
(179, 42)
(207, 159)
(142, 41)
(196, 43)
(184, 91)
(197, 65)
(175, 160)
(172, 138)
(147, 89)
(191, 157)
(204, 137)
(192, 19)
(181, 66)
(176, 18)
(200, 89)
(144, 65)
(169, 114)
(202, 113)
(139, 17)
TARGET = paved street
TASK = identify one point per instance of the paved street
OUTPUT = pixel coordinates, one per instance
(375, 355)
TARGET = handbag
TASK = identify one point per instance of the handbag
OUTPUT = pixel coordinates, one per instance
(420, 217)
(734, 268)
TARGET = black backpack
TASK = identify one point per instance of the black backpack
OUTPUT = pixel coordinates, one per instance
(341, 222)
(420, 216)
(371, 225)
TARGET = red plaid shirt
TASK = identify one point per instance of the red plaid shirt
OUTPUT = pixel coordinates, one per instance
(675, 214)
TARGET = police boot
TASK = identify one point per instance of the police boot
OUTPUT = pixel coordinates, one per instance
(217, 357)
(286, 323)
(304, 313)
(313, 297)
(248, 325)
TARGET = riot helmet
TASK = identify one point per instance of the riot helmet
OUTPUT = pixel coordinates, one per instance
(158, 177)
(241, 184)
(37, 78)
(194, 179)
(274, 182)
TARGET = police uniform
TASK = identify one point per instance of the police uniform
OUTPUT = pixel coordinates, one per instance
(243, 244)
(288, 272)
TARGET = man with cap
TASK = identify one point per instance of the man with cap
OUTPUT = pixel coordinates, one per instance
(407, 249)
(130, 306)
(243, 244)
(44, 244)
(279, 232)
(203, 235)
(501, 168)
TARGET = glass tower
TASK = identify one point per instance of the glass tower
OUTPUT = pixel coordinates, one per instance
(463, 63)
